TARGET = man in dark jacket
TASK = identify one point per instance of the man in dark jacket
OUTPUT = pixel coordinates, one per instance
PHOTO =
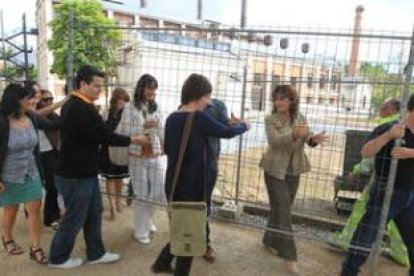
(218, 111)
(83, 130)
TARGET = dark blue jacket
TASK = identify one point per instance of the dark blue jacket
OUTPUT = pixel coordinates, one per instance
(193, 178)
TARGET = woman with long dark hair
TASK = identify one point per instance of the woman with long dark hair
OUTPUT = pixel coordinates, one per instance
(113, 173)
(19, 168)
(287, 133)
(146, 164)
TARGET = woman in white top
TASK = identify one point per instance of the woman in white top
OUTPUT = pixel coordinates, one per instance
(146, 164)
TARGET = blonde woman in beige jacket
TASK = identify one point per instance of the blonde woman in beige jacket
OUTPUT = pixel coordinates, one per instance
(287, 132)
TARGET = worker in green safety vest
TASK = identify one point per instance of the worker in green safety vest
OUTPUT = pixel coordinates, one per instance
(397, 251)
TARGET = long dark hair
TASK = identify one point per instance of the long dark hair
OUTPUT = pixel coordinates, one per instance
(145, 81)
(286, 92)
(118, 94)
(10, 101)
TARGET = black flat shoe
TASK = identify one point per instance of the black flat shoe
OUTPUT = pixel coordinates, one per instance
(159, 269)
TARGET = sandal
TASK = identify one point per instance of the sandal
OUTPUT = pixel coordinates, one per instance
(210, 254)
(38, 255)
(12, 248)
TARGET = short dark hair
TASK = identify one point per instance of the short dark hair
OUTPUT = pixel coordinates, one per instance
(410, 103)
(86, 74)
(9, 104)
(145, 81)
(194, 88)
(117, 95)
(394, 102)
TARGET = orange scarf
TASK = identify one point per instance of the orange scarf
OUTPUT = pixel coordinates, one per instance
(83, 97)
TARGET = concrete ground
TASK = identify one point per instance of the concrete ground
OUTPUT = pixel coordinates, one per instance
(239, 250)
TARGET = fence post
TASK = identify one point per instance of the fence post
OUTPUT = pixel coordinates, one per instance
(25, 52)
(69, 65)
(243, 102)
(408, 71)
(240, 155)
(4, 57)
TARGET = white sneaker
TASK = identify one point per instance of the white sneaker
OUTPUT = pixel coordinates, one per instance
(143, 239)
(70, 263)
(107, 258)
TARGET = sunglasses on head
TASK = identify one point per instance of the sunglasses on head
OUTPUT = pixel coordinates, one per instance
(48, 99)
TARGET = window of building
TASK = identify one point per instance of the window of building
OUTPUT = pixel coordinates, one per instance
(148, 22)
(150, 36)
(275, 81)
(310, 80)
(124, 19)
(322, 81)
(258, 79)
(174, 28)
(205, 44)
(168, 38)
(258, 91)
(334, 82)
(293, 81)
(321, 100)
(221, 46)
(188, 41)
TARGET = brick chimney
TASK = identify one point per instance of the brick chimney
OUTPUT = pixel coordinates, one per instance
(354, 62)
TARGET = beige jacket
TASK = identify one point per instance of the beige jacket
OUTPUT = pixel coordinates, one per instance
(282, 147)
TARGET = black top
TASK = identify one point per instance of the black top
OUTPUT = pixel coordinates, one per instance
(82, 131)
(113, 119)
(405, 176)
(38, 123)
(193, 178)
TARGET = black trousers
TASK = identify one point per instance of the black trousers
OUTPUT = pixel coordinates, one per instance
(182, 264)
(51, 211)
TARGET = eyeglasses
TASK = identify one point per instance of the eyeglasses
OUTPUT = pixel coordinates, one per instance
(48, 99)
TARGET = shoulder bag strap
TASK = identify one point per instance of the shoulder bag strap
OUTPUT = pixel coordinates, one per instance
(184, 142)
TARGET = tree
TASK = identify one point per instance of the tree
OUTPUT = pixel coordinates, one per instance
(384, 83)
(92, 43)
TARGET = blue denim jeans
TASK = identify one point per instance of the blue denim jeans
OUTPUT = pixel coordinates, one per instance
(83, 203)
(401, 211)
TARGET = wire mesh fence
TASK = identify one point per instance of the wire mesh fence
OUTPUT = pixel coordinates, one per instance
(342, 80)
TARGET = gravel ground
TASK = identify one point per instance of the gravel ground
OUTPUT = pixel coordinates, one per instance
(239, 252)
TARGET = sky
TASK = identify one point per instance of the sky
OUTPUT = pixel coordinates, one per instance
(396, 15)
(379, 15)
